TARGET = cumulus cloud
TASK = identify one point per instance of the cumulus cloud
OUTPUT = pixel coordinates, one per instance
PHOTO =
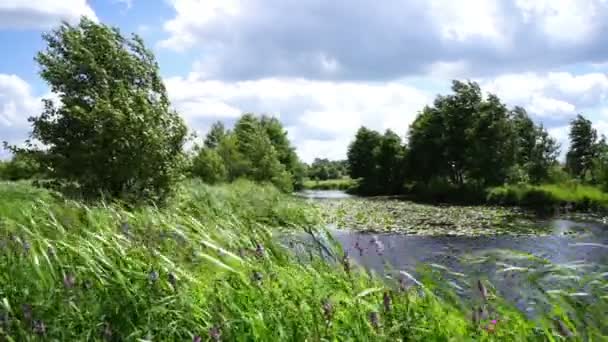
(362, 40)
(17, 104)
(41, 14)
(553, 97)
(321, 116)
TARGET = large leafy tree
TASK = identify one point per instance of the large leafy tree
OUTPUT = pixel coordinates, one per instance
(361, 157)
(112, 130)
(583, 147)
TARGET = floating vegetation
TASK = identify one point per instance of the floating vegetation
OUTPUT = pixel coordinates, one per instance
(382, 215)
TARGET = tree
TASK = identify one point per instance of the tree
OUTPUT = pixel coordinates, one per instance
(389, 160)
(285, 151)
(209, 166)
(462, 139)
(261, 158)
(21, 166)
(362, 159)
(215, 135)
(583, 147)
(113, 131)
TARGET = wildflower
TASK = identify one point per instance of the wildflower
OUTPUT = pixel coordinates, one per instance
(197, 339)
(328, 309)
(26, 246)
(172, 280)
(491, 327)
(27, 312)
(374, 319)
(482, 289)
(259, 250)
(387, 301)
(69, 280)
(563, 329)
(215, 334)
(153, 276)
(39, 327)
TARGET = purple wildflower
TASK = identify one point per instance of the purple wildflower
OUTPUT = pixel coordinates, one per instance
(215, 334)
(27, 312)
(153, 276)
(374, 319)
(387, 301)
(26, 246)
(197, 339)
(328, 309)
(259, 250)
(69, 280)
(39, 327)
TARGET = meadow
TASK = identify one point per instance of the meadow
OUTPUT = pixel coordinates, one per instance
(209, 266)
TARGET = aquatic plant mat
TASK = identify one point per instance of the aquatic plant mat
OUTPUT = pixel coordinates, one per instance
(392, 215)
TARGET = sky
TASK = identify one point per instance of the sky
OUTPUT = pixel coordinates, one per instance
(325, 68)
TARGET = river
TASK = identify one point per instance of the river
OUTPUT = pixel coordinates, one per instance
(522, 268)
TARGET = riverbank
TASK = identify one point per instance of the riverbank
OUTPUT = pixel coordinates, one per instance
(209, 266)
(344, 184)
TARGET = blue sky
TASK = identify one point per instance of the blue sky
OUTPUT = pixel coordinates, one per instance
(327, 67)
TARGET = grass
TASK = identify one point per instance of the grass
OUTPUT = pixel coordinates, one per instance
(210, 266)
(581, 197)
(330, 184)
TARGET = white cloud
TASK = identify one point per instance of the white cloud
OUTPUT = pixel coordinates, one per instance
(321, 116)
(17, 104)
(364, 40)
(553, 96)
(41, 14)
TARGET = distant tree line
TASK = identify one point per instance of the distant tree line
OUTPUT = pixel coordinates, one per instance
(468, 141)
(256, 148)
(324, 169)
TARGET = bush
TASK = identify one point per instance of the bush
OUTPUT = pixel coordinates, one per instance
(209, 166)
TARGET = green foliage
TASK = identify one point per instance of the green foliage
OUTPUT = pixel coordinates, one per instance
(324, 169)
(113, 131)
(257, 148)
(462, 144)
(209, 166)
(377, 161)
(580, 197)
(330, 184)
(583, 147)
(21, 166)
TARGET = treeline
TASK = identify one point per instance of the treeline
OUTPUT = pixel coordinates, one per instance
(325, 169)
(256, 148)
(465, 143)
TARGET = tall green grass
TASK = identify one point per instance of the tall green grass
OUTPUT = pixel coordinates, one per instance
(579, 196)
(209, 266)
